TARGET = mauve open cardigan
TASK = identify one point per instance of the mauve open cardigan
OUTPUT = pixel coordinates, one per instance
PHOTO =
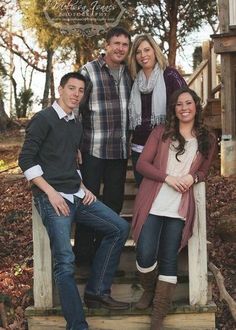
(152, 165)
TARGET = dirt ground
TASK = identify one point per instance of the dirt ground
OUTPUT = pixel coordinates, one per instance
(16, 251)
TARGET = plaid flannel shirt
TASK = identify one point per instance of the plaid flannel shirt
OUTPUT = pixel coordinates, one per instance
(105, 111)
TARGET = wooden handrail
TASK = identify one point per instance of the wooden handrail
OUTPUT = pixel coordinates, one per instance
(216, 90)
(197, 72)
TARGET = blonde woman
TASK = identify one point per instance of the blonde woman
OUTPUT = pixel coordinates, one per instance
(154, 82)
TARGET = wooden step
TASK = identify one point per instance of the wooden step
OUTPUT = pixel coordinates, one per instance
(130, 176)
(181, 316)
(127, 209)
(127, 266)
(212, 114)
(126, 285)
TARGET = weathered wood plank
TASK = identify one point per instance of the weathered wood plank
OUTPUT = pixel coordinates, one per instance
(224, 43)
(232, 13)
(43, 282)
(228, 102)
(223, 13)
(228, 157)
(204, 321)
(197, 251)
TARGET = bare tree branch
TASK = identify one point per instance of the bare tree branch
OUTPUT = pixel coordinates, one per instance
(224, 295)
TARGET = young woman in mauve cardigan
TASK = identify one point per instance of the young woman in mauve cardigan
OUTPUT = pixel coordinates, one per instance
(154, 82)
(176, 156)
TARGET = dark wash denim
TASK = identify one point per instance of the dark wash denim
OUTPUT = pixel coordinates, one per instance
(160, 240)
(112, 172)
(96, 216)
(134, 157)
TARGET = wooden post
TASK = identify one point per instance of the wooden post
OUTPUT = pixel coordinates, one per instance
(225, 44)
(197, 251)
(228, 157)
(228, 118)
(214, 77)
(43, 281)
(207, 82)
(223, 9)
(228, 62)
(232, 14)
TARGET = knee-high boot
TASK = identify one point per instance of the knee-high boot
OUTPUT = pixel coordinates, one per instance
(148, 282)
(161, 303)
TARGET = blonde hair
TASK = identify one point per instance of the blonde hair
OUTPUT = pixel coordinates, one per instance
(134, 67)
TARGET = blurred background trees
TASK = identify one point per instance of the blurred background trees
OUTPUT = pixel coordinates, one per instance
(30, 44)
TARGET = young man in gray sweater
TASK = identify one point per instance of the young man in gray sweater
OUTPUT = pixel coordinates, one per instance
(49, 161)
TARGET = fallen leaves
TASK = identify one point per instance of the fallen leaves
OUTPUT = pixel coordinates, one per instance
(16, 253)
(221, 198)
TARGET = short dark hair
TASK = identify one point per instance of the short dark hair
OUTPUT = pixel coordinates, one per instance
(69, 75)
(117, 31)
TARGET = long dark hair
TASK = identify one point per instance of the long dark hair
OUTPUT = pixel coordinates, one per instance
(199, 129)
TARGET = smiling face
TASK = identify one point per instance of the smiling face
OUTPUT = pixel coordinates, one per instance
(185, 108)
(117, 50)
(145, 56)
(71, 94)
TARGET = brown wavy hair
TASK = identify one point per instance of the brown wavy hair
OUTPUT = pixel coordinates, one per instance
(200, 131)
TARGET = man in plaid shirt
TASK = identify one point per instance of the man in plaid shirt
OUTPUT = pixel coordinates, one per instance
(105, 126)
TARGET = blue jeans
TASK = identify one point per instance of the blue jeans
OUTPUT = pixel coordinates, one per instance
(160, 240)
(96, 216)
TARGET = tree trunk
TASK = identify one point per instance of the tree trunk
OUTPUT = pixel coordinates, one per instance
(46, 101)
(83, 54)
(52, 88)
(172, 40)
(17, 108)
(4, 119)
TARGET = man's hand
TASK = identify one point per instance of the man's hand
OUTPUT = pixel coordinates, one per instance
(58, 202)
(89, 197)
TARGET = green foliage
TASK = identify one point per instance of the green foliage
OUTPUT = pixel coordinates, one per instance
(24, 102)
(4, 299)
(172, 21)
(158, 17)
(197, 56)
(33, 17)
(17, 270)
(2, 165)
(84, 48)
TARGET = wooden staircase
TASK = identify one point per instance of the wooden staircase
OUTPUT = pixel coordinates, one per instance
(192, 307)
(205, 81)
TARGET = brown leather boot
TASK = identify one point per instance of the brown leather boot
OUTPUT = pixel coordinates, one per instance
(161, 303)
(148, 282)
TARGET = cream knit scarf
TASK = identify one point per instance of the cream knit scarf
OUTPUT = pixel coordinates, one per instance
(155, 83)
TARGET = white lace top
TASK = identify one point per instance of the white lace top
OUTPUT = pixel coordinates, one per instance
(168, 200)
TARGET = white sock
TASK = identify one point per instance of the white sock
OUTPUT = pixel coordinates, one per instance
(169, 279)
(146, 270)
